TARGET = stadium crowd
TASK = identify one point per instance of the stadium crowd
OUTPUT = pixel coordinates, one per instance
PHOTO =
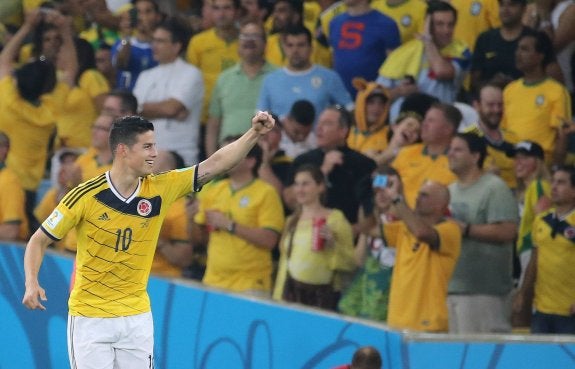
(420, 172)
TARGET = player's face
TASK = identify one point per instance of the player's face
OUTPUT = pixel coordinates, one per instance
(141, 155)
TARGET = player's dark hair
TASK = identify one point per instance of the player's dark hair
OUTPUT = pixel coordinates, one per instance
(126, 130)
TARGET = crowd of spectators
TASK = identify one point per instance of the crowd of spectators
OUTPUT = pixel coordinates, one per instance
(420, 171)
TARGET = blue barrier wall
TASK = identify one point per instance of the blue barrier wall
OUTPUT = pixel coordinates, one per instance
(197, 328)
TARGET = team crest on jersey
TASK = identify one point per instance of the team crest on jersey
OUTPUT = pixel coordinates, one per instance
(54, 219)
(144, 207)
(539, 100)
(244, 201)
(406, 20)
(316, 82)
(475, 8)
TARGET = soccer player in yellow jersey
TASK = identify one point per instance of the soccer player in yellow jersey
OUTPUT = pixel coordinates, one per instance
(118, 216)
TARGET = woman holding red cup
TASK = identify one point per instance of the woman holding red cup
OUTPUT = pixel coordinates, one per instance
(316, 245)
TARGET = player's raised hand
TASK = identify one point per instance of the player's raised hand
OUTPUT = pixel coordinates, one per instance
(263, 122)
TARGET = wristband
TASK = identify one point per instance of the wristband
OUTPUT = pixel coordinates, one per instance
(231, 228)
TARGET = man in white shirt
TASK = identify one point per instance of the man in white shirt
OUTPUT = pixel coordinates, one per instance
(170, 94)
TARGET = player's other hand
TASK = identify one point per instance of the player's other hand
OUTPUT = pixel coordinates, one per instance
(33, 292)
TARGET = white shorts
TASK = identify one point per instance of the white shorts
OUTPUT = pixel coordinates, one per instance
(111, 343)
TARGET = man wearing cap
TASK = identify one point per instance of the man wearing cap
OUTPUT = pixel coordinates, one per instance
(484, 207)
(533, 193)
(550, 274)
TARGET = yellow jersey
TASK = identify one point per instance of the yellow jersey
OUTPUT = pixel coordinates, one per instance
(117, 239)
(534, 112)
(234, 263)
(418, 294)
(473, 18)
(409, 16)
(212, 55)
(29, 128)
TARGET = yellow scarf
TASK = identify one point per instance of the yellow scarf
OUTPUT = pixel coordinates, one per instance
(406, 60)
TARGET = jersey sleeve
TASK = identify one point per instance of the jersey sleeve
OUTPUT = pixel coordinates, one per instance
(62, 220)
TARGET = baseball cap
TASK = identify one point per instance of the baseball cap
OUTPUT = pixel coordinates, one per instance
(530, 148)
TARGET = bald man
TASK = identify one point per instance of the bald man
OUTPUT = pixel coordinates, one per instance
(428, 245)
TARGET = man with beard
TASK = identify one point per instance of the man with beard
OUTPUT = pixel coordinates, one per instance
(489, 105)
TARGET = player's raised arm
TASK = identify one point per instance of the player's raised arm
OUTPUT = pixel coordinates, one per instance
(33, 257)
(230, 155)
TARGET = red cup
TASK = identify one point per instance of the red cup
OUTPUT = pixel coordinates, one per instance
(317, 242)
